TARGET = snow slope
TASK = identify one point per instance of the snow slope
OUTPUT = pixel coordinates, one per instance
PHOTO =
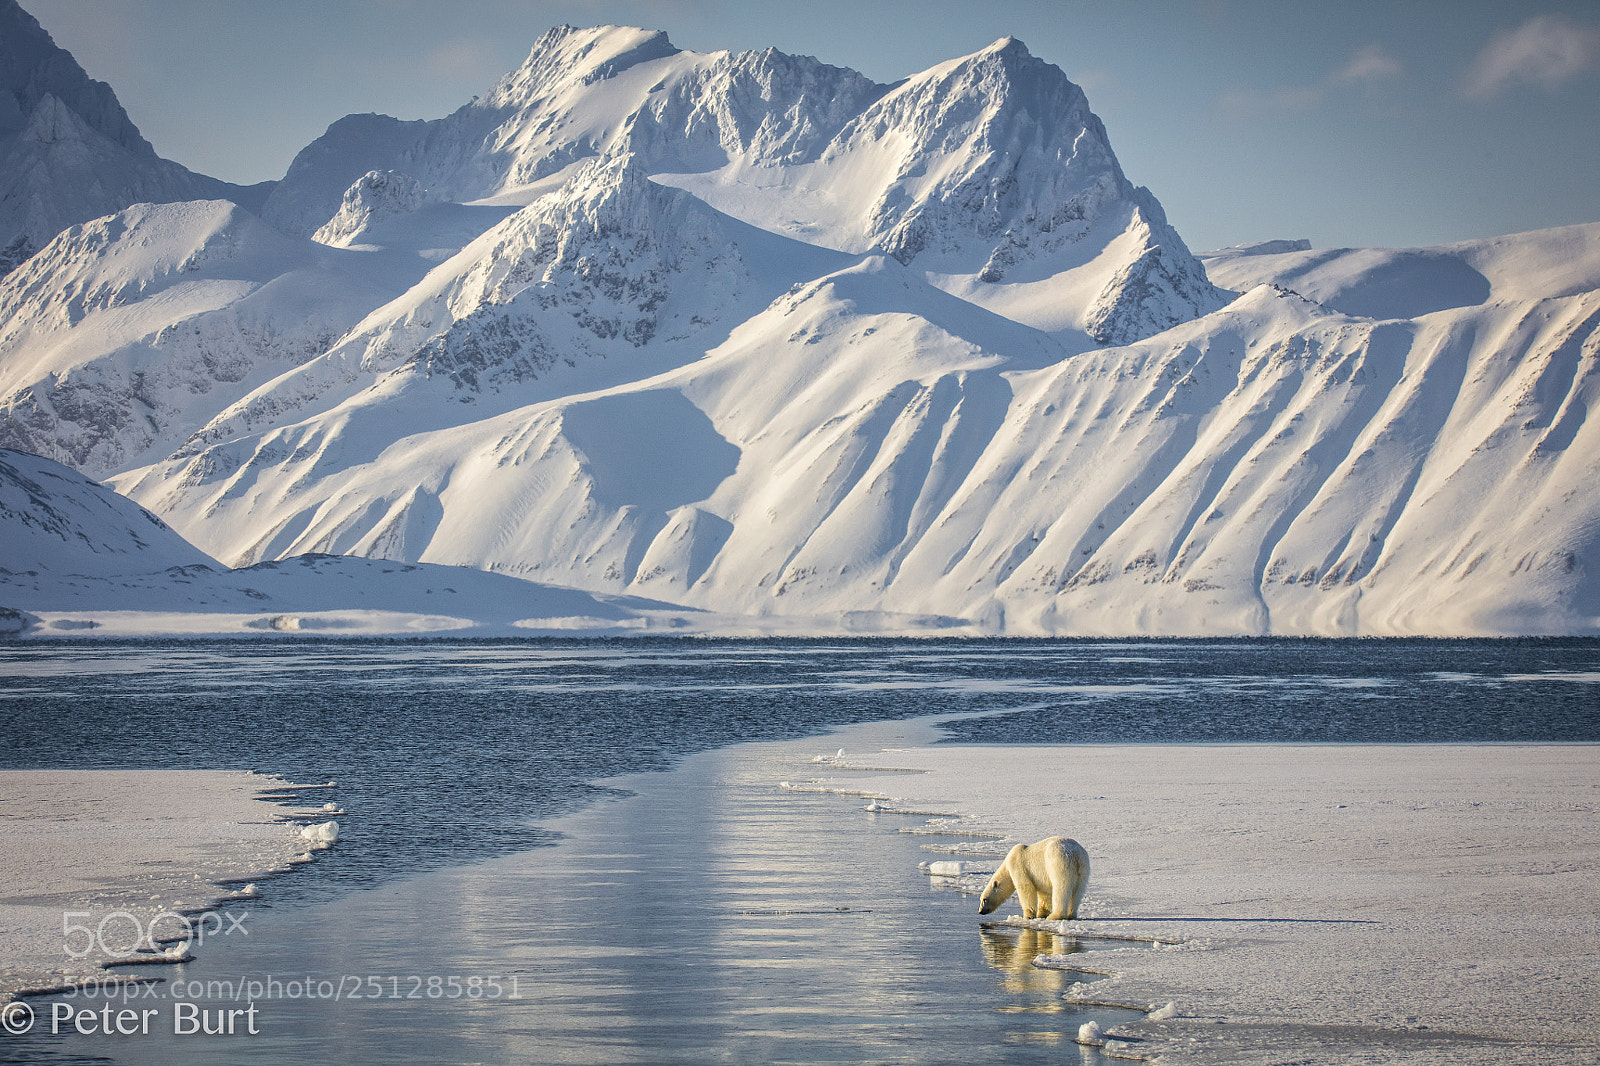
(868, 441)
(81, 560)
(124, 336)
(58, 522)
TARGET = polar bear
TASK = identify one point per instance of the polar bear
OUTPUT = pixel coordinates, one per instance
(1048, 877)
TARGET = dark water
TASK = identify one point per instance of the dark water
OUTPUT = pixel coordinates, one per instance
(506, 732)
(669, 927)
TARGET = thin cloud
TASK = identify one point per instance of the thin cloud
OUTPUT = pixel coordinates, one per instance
(1547, 49)
(463, 59)
(1257, 101)
(1369, 65)
(1094, 78)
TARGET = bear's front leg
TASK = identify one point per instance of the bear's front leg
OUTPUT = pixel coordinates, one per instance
(1029, 898)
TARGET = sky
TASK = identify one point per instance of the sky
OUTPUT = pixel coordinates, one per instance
(1352, 123)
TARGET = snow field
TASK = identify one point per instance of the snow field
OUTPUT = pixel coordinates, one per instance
(1419, 903)
(116, 849)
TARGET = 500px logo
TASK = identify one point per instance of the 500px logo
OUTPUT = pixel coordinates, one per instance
(16, 1017)
(121, 934)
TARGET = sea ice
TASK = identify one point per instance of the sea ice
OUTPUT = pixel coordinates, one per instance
(143, 845)
(1315, 894)
(321, 833)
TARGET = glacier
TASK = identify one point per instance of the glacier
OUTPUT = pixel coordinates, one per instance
(765, 346)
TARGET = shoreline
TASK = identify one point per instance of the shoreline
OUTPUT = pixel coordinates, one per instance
(1431, 903)
(99, 860)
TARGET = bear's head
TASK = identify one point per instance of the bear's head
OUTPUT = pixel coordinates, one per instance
(996, 892)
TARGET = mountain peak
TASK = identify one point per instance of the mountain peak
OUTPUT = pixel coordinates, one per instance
(570, 55)
(33, 68)
(68, 151)
(993, 142)
(1007, 45)
(1004, 66)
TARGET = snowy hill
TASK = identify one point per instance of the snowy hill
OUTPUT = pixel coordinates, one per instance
(68, 151)
(83, 561)
(59, 522)
(753, 335)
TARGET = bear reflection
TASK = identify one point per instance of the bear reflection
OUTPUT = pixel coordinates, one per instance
(1012, 950)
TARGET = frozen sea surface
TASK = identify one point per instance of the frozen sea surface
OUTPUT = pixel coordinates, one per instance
(711, 917)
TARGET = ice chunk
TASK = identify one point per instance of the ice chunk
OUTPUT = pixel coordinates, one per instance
(1089, 1033)
(322, 832)
(949, 869)
(1162, 1014)
(1056, 962)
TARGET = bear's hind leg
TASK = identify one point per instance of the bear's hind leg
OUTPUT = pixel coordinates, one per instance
(1073, 898)
(1078, 877)
(1059, 906)
(1069, 871)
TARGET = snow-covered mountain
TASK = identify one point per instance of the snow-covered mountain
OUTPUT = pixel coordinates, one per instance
(126, 334)
(988, 172)
(68, 151)
(869, 441)
(754, 335)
